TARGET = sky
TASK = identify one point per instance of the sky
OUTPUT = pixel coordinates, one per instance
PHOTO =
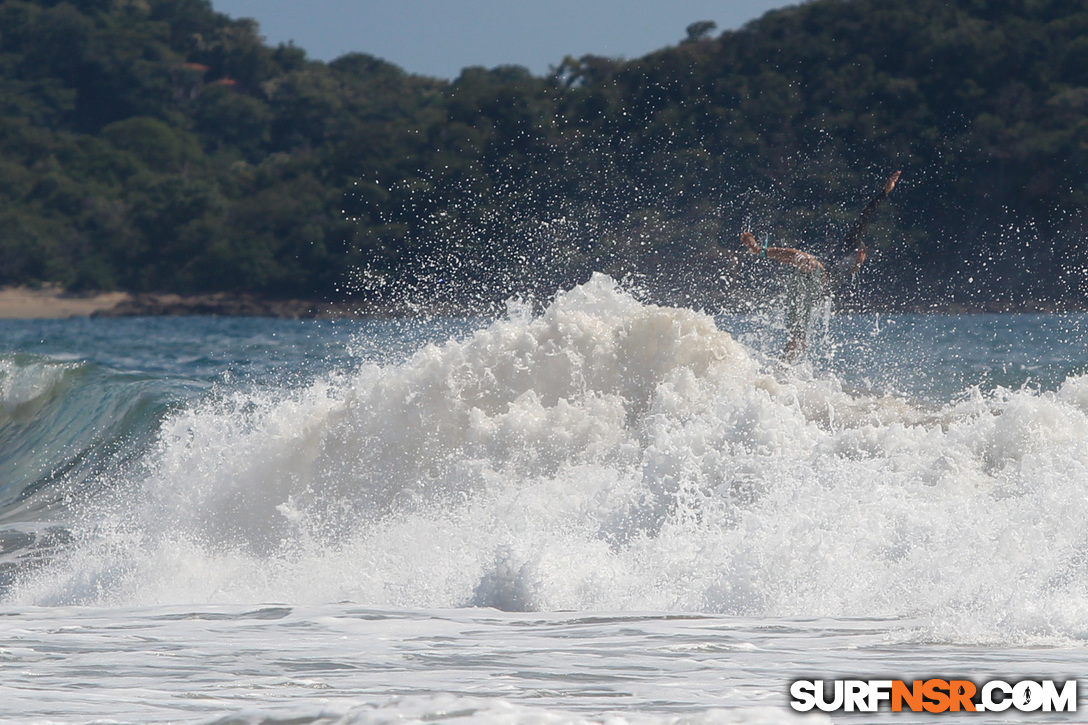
(440, 37)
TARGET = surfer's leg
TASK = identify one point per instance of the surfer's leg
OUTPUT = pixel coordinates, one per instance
(795, 346)
(854, 238)
(798, 315)
(805, 292)
(851, 252)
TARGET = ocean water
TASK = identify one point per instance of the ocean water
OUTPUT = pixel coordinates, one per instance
(600, 511)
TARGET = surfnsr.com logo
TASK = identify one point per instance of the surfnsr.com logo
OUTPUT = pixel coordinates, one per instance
(934, 695)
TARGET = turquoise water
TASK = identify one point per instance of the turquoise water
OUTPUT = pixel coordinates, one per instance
(606, 509)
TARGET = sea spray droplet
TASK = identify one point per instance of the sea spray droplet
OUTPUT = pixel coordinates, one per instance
(609, 455)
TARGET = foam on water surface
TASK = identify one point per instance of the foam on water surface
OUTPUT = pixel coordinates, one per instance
(606, 455)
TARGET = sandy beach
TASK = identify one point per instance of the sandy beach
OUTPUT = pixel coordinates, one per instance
(53, 302)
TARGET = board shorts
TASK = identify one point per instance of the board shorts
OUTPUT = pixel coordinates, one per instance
(804, 292)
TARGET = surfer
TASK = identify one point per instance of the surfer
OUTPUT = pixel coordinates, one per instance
(813, 281)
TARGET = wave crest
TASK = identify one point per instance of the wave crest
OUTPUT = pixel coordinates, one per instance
(610, 455)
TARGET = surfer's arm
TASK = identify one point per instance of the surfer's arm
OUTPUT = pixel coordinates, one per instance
(787, 255)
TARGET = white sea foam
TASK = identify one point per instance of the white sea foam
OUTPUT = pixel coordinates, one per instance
(25, 382)
(474, 711)
(341, 663)
(609, 455)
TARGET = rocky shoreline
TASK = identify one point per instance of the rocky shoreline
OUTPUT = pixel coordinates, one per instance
(223, 304)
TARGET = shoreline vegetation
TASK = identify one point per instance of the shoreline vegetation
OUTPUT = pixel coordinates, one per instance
(160, 147)
(52, 302)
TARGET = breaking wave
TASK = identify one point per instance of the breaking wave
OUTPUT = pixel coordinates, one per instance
(605, 454)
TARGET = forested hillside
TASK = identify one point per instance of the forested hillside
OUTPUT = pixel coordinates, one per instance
(158, 145)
